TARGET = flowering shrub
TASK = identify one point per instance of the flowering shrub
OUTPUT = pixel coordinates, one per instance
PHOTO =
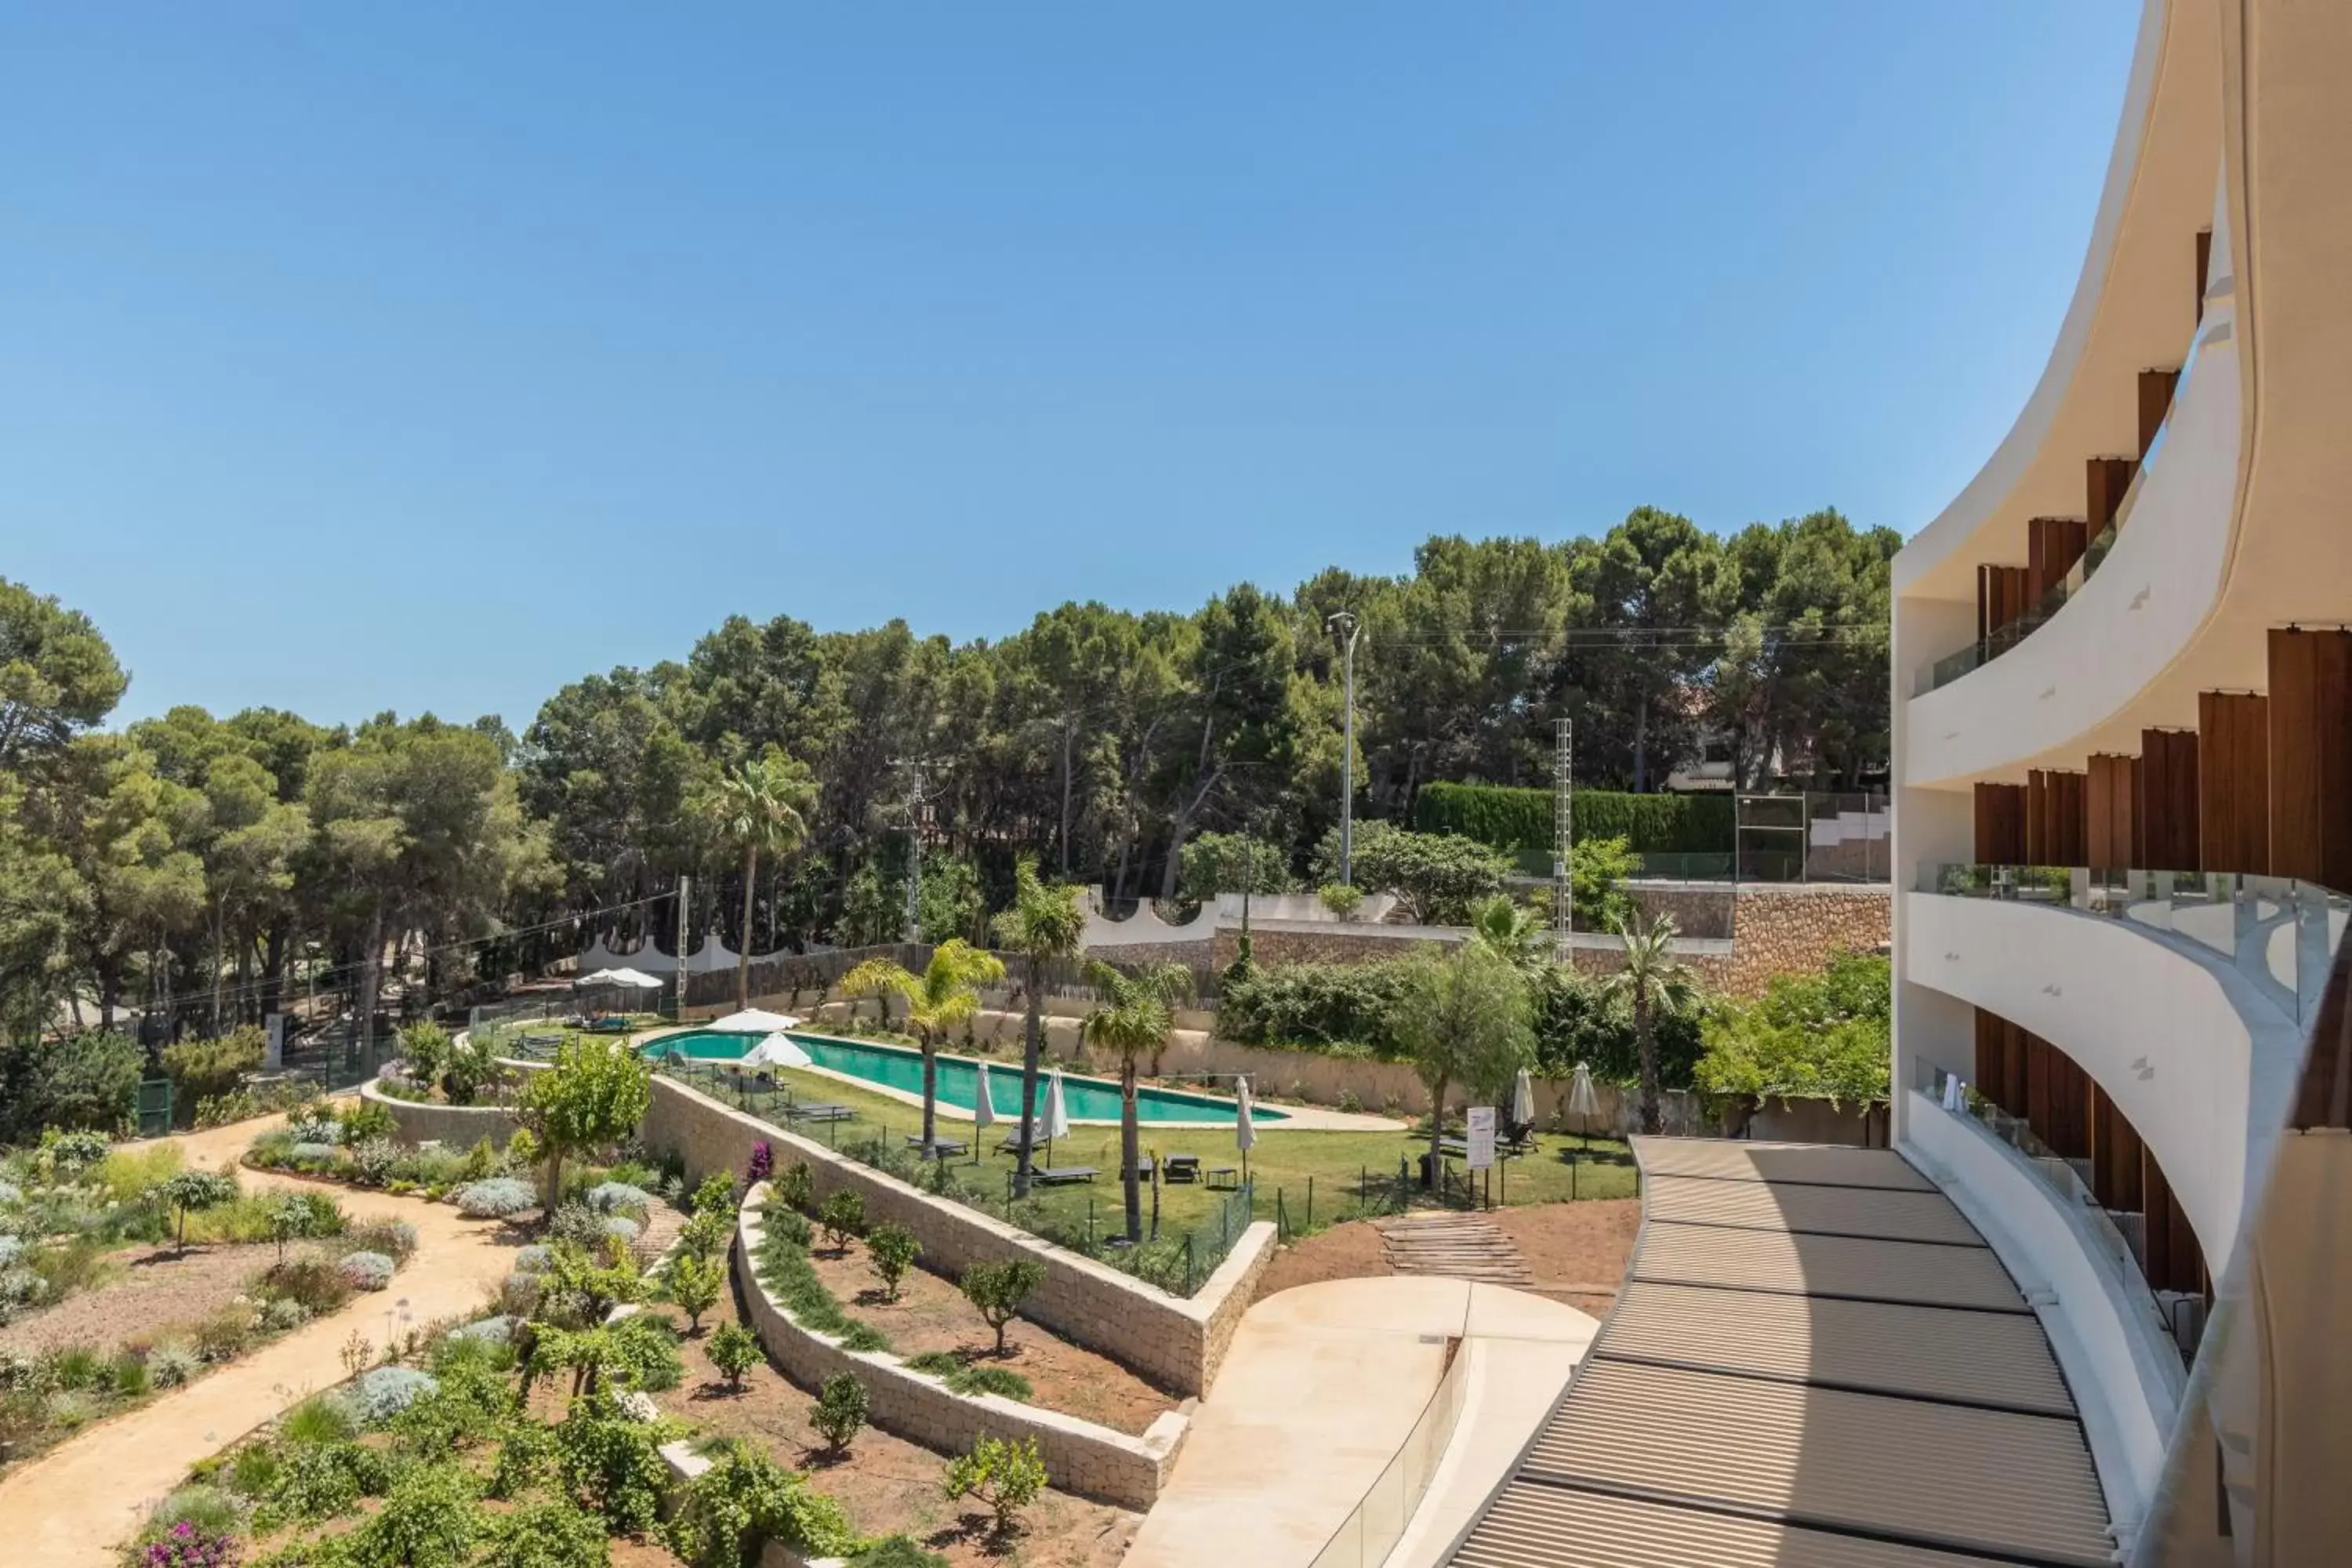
(636, 1404)
(305, 1153)
(282, 1314)
(377, 1397)
(184, 1547)
(366, 1270)
(372, 1161)
(764, 1161)
(498, 1197)
(393, 1237)
(11, 1248)
(536, 1258)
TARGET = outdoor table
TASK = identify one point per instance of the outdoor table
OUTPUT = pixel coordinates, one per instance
(1225, 1179)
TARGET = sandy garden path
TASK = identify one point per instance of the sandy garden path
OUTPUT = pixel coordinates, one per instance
(71, 1506)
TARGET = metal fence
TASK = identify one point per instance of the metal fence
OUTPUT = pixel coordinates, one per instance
(1177, 1258)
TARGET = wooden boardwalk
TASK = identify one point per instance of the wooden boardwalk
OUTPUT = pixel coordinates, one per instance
(1454, 1247)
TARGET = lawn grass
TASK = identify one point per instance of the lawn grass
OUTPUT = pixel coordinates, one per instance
(1285, 1164)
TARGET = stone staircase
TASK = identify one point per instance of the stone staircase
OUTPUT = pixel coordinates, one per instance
(1454, 1247)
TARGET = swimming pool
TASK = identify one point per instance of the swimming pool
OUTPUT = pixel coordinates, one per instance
(901, 1068)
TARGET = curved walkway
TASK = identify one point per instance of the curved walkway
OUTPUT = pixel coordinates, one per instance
(68, 1508)
(1322, 1385)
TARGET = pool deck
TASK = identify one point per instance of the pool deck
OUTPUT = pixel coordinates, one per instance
(1295, 1117)
(1319, 1391)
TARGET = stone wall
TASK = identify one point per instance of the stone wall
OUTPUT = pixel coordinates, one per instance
(458, 1126)
(1175, 1342)
(1080, 1456)
(1355, 941)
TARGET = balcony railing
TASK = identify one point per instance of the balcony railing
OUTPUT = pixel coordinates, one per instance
(2178, 1319)
(2278, 932)
(1377, 1522)
(1985, 649)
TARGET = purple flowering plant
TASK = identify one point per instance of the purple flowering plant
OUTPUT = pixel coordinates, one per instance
(763, 1161)
(183, 1548)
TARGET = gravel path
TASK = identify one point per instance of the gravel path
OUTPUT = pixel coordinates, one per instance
(67, 1509)
(155, 1292)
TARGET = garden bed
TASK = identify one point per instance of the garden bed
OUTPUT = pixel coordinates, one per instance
(931, 1317)
(889, 1484)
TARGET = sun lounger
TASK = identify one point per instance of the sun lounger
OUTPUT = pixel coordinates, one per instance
(820, 1113)
(938, 1148)
(1183, 1168)
(1061, 1176)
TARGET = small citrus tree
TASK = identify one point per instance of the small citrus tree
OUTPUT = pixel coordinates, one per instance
(1006, 1477)
(733, 1351)
(596, 1094)
(893, 1249)
(997, 1290)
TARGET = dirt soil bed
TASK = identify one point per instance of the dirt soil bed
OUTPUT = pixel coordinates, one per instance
(1577, 1251)
(889, 1485)
(931, 1314)
(155, 1291)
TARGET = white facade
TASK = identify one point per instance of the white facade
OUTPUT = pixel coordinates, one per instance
(2184, 1001)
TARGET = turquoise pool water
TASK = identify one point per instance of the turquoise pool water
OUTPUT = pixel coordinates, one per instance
(901, 1068)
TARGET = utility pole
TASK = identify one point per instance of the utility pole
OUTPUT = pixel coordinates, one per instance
(685, 885)
(1343, 623)
(1563, 817)
(914, 853)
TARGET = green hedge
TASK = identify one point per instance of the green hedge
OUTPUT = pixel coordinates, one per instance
(1520, 820)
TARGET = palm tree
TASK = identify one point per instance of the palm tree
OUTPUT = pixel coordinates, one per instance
(762, 806)
(1045, 923)
(947, 993)
(1512, 929)
(1655, 982)
(1139, 1017)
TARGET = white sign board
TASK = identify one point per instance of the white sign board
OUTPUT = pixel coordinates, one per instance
(273, 1052)
(1482, 1138)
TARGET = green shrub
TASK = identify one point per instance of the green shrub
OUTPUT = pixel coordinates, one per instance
(716, 1195)
(321, 1418)
(366, 1120)
(694, 1284)
(893, 1250)
(318, 1284)
(89, 1080)
(734, 1350)
(782, 1265)
(429, 1519)
(127, 1377)
(1006, 1477)
(395, 1238)
(1437, 876)
(840, 1411)
(202, 1069)
(547, 1533)
(1520, 820)
(1342, 898)
(842, 1215)
(207, 1510)
(796, 1185)
(1316, 1006)
(745, 1498)
(963, 1377)
(611, 1462)
(997, 1289)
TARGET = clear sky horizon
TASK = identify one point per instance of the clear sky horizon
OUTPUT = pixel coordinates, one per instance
(429, 357)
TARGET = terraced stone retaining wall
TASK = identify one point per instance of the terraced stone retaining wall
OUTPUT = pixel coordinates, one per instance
(458, 1126)
(1080, 1456)
(1177, 1342)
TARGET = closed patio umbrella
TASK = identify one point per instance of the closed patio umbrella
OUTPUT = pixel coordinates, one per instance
(1523, 1100)
(1583, 1104)
(983, 1108)
(1245, 1133)
(1057, 1113)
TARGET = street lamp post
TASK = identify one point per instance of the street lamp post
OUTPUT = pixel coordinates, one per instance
(1343, 623)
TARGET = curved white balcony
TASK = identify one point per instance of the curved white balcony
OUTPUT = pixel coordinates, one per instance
(2124, 621)
(2175, 1010)
(2104, 1326)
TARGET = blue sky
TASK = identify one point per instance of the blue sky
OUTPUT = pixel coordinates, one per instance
(431, 356)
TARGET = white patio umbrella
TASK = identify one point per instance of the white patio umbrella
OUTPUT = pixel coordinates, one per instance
(1057, 1112)
(601, 977)
(753, 1021)
(634, 978)
(1523, 1100)
(1582, 1103)
(1245, 1133)
(778, 1050)
(983, 1110)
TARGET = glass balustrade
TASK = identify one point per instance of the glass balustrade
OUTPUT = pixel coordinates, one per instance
(1985, 649)
(2067, 1181)
(1377, 1523)
(2278, 933)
